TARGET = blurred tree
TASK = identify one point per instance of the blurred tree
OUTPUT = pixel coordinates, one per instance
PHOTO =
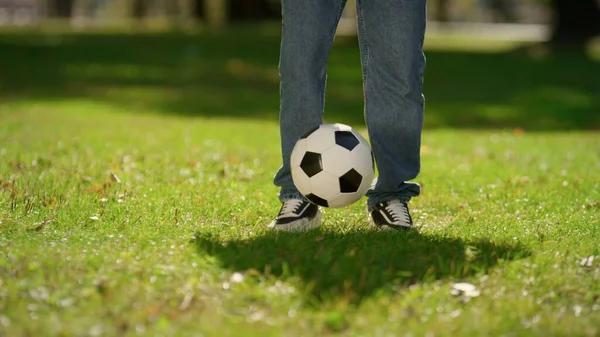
(221, 10)
(139, 9)
(198, 9)
(216, 13)
(503, 11)
(576, 22)
(442, 13)
(60, 8)
(254, 9)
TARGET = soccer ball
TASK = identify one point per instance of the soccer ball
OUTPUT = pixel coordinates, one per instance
(332, 165)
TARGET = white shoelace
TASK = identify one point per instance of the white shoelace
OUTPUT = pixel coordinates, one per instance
(289, 208)
(398, 211)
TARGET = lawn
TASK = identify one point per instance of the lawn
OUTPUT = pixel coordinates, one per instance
(135, 190)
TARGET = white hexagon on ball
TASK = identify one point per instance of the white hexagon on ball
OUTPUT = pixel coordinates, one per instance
(362, 160)
(320, 140)
(324, 185)
(336, 160)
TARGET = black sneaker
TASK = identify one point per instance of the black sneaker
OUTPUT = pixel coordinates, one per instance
(297, 215)
(392, 214)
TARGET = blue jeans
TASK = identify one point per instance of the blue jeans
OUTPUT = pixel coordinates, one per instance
(391, 34)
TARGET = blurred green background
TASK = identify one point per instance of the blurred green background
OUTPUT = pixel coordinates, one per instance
(490, 63)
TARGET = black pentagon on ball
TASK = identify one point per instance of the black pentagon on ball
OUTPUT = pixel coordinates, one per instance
(350, 181)
(317, 200)
(346, 139)
(311, 163)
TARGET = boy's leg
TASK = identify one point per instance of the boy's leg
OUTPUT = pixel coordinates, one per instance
(391, 34)
(308, 30)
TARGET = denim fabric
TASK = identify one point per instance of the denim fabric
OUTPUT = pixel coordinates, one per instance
(391, 34)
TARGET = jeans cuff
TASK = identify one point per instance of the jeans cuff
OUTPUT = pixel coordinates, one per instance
(289, 196)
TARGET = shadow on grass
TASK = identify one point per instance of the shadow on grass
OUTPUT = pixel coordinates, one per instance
(235, 75)
(357, 265)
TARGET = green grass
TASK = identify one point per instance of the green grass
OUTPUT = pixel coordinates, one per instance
(135, 188)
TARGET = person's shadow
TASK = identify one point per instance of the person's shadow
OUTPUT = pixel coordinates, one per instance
(358, 263)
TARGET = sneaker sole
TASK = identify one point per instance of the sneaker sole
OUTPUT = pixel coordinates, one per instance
(298, 227)
(391, 227)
